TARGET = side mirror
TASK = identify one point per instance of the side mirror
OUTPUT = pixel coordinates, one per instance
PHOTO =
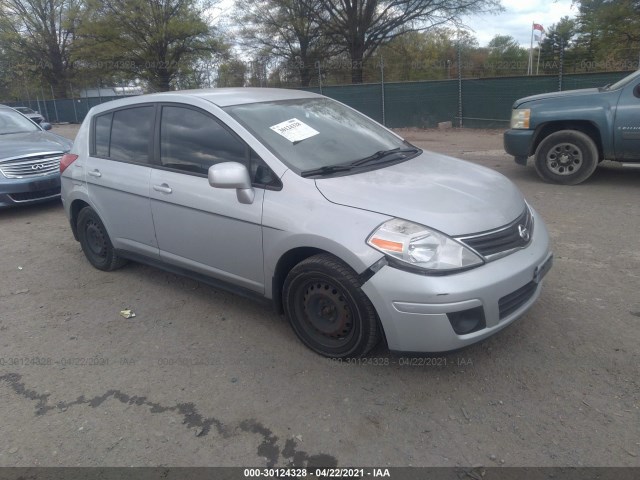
(636, 91)
(232, 175)
(45, 125)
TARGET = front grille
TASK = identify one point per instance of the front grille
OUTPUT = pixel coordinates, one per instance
(31, 166)
(512, 302)
(26, 196)
(517, 234)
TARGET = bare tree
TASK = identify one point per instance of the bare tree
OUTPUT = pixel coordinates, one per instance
(363, 25)
(286, 29)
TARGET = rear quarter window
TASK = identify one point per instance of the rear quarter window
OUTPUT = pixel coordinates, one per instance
(102, 134)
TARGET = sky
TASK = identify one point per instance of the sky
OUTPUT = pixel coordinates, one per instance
(515, 21)
(517, 18)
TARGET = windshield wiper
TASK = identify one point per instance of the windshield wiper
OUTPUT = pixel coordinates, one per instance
(382, 154)
(375, 158)
(325, 170)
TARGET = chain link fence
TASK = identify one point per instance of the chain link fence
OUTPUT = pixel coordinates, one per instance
(396, 93)
(63, 110)
(466, 102)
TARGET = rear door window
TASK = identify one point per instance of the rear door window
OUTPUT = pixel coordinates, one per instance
(131, 134)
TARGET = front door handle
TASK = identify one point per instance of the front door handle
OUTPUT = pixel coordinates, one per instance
(95, 173)
(164, 188)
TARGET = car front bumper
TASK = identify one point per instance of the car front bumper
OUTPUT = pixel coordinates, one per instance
(518, 142)
(413, 308)
(24, 191)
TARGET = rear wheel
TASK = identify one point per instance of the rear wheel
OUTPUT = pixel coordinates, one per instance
(96, 243)
(328, 310)
(568, 157)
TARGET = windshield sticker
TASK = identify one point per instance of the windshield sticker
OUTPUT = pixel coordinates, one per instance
(294, 130)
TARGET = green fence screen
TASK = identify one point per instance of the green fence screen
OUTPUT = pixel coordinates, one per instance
(484, 102)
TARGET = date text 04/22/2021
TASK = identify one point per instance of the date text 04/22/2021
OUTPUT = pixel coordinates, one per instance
(317, 473)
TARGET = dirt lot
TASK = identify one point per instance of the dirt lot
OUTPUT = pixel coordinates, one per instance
(202, 377)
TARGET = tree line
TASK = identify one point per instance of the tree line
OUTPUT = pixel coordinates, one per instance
(176, 44)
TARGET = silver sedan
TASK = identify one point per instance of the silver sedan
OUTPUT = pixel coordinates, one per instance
(352, 232)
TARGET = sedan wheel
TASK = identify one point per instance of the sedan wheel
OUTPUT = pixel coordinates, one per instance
(328, 310)
(95, 241)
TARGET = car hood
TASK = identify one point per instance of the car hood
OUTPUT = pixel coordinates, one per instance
(444, 193)
(555, 95)
(18, 144)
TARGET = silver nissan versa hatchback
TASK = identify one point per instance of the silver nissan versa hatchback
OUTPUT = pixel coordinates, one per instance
(351, 231)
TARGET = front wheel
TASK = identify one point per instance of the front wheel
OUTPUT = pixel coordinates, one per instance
(328, 310)
(567, 157)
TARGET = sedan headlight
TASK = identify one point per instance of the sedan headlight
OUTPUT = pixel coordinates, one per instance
(420, 247)
(520, 117)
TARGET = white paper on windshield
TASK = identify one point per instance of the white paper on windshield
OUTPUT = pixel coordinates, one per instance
(294, 130)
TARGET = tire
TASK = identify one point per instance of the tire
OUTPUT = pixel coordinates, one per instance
(567, 157)
(328, 310)
(96, 243)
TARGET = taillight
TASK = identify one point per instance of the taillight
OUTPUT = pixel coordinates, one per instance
(66, 160)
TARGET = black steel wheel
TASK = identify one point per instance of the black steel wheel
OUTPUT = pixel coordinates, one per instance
(95, 241)
(328, 310)
(567, 157)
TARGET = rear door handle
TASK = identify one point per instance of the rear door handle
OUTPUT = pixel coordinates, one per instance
(95, 173)
(164, 188)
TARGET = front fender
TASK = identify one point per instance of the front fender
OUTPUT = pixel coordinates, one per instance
(298, 216)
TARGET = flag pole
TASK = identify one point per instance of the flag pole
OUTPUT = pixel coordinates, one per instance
(530, 66)
(538, 66)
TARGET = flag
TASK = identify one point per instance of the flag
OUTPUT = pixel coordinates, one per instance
(538, 32)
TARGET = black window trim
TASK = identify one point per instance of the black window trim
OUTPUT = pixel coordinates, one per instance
(93, 147)
(150, 144)
(277, 186)
(157, 163)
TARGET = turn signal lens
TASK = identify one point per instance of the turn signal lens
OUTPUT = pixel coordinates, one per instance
(387, 245)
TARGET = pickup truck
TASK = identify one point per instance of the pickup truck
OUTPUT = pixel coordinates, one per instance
(569, 133)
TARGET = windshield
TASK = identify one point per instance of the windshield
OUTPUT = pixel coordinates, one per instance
(13, 122)
(24, 110)
(313, 133)
(626, 80)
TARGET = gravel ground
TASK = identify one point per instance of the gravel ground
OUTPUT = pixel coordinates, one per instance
(202, 377)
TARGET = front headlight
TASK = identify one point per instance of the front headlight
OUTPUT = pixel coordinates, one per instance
(420, 247)
(520, 118)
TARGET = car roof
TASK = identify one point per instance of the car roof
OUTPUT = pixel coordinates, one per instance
(224, 97)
